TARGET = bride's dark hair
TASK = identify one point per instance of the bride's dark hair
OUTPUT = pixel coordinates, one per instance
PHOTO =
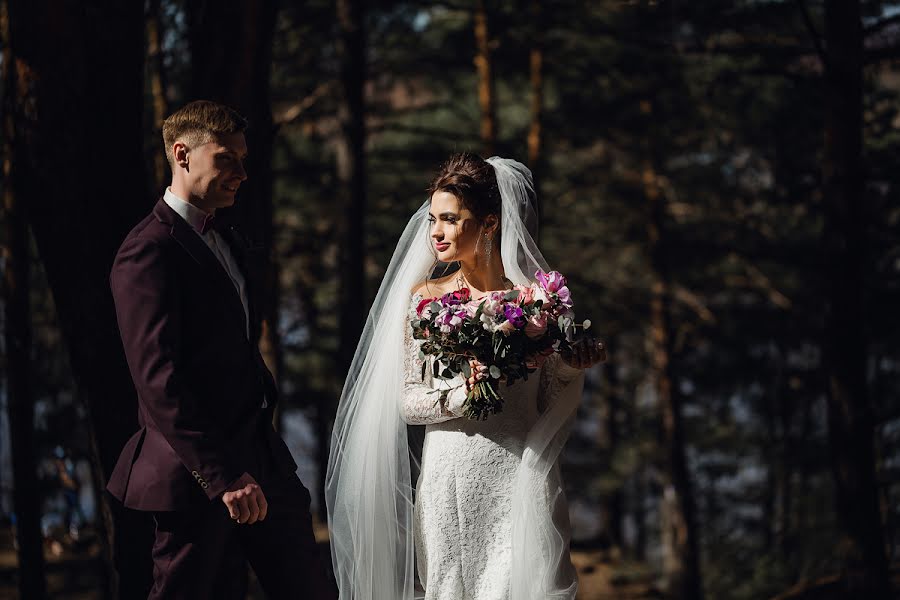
(471, 179)
(474, 181)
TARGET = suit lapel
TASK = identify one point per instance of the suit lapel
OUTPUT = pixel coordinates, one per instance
(197, 249)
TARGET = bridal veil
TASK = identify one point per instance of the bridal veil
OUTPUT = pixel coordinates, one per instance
(368, 486)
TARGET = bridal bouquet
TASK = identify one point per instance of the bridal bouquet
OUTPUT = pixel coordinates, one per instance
(511, 332)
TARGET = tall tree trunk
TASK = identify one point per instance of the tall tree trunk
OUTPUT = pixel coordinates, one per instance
(682, 563)
(536, 73)
(231, 47)
(774, 458)
(351, 172)
(351, 181)
(612, 509)
(784, 489)
(16, 289)
(770, 458)
(26, 496)
(157, 75)
(484, 68)
(849, 413)
(67, 106)
(639, 513)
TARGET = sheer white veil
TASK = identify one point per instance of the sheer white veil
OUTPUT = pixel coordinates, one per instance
(368, 486)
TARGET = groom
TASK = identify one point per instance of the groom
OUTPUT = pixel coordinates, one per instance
(207, 463)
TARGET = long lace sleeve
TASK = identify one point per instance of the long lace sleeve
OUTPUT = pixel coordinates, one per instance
(418, 406)
(556, 376)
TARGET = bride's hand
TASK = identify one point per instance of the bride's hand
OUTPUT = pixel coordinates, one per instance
(479, 373)
(585, 353)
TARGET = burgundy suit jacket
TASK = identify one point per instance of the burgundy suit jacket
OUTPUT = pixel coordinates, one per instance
(200, 382)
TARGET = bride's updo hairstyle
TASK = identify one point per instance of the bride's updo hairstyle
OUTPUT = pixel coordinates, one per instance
(473, 180)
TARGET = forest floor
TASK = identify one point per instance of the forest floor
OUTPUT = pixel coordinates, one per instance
(74, 570)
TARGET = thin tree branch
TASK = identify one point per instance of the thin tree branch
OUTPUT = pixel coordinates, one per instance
(813, 34)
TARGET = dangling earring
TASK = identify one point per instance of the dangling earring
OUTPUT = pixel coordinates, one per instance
(489, 249)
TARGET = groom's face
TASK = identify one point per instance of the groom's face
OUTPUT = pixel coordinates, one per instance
(216, 170)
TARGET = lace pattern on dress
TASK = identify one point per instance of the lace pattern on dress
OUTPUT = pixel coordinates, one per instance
(420, 403)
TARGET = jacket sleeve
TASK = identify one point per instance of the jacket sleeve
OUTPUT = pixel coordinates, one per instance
(420, 403)
(149, 315)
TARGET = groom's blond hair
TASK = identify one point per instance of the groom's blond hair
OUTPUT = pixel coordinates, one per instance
(200, 122)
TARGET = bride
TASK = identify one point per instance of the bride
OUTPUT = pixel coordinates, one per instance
(488, 517)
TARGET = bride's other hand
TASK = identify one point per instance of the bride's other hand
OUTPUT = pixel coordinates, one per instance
(585, 353)
(479, 373)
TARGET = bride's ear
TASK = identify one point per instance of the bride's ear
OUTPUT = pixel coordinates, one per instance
(491, 224)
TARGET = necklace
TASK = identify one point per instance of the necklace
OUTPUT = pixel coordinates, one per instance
(462, 280)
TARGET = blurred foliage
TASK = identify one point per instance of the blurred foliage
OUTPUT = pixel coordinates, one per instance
(724, 101)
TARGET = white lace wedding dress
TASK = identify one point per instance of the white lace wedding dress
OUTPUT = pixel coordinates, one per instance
(464, 491)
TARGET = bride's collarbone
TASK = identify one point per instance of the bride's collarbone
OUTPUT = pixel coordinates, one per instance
(435, 288)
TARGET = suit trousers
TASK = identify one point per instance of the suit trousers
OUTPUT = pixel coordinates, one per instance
(202, 553)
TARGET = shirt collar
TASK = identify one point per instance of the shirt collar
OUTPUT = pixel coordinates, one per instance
(194, 216)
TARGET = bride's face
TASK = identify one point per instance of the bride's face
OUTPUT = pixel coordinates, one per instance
(454, 229)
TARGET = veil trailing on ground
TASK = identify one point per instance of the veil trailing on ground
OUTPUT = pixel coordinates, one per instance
(368, 486)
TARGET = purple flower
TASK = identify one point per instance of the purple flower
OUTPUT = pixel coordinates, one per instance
(564, 296)
(514, 315)
(460, 296)
(450, 319)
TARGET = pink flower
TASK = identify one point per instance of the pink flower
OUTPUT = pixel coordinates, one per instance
(536, 325)
(551, 281)
(564, 297)
(526, 294)
(493, 304)
(554, 284)
(460, 296)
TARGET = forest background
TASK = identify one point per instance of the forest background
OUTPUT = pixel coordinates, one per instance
(718, 180)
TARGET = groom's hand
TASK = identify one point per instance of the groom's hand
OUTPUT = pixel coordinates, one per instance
(245, 500)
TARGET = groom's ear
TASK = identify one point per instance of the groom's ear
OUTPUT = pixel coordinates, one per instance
(180, 154)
